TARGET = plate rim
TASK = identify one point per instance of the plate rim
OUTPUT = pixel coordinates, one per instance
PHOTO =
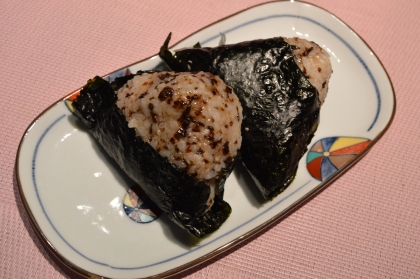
(246, 236)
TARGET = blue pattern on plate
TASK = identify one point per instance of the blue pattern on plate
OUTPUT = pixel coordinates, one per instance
(327, 169)
(327, 142)
(140, 209)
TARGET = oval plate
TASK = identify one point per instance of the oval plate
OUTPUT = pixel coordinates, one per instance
(80, 203)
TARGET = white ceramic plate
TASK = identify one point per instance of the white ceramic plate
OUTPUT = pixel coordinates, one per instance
(74, 193)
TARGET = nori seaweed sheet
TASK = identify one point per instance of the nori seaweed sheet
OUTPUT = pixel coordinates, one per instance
(280, 106)
(174, 191)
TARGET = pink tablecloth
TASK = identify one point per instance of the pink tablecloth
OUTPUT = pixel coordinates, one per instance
(364, 225)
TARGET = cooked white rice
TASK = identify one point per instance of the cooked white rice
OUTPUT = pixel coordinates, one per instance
(192, 119)
(314, 62)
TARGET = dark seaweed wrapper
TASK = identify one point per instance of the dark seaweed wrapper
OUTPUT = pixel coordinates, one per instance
(177, 193)
(280, 106)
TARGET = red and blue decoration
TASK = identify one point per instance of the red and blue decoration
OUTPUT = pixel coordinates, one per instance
(139, 207)
(328, 155)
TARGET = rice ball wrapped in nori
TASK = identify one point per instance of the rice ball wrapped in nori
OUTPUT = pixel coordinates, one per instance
(280, 105)
(176, 134)
(314, 62)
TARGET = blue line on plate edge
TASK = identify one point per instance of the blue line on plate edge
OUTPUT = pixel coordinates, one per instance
(36, 186)
(280, 201)
(140, 267)
(378, 96)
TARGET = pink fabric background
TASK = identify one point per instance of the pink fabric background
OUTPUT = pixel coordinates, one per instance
(364, 225)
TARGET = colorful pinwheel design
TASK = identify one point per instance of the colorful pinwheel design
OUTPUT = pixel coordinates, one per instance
(328, 155)
(120, 73)
(138, 210)
(69, 101)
